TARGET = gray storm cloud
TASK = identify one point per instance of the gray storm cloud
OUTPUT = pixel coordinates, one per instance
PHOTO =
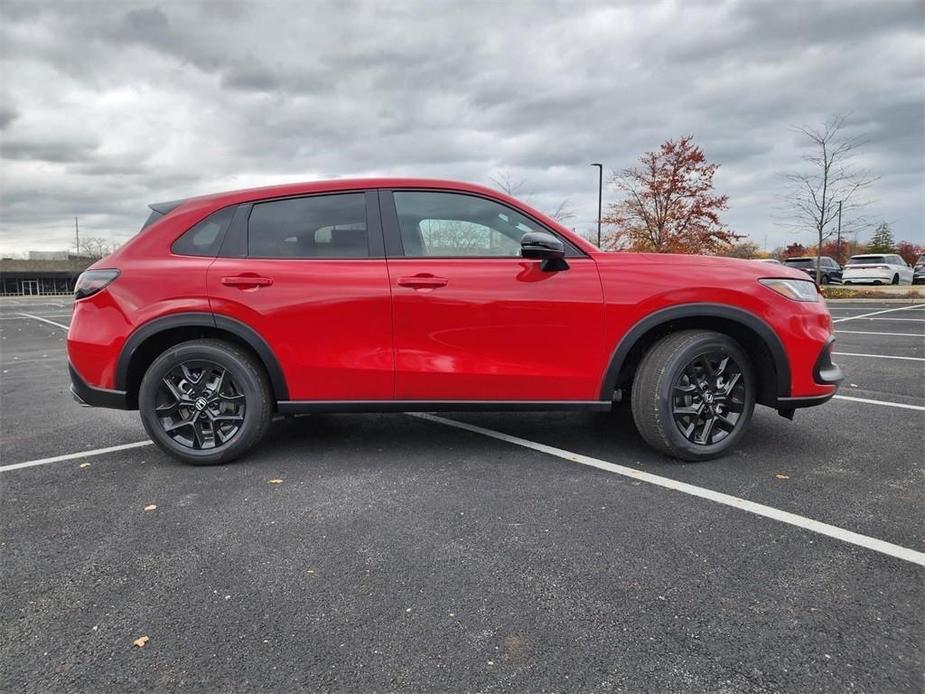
(109, 106)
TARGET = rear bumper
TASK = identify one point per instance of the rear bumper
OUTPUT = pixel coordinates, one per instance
(88, 395)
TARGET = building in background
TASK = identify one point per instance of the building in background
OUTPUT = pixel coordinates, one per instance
(41, 273)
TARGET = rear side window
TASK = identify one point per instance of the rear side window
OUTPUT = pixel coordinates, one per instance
(320, 226)
(205, 238)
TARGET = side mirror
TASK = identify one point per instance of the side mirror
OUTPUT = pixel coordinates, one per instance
(538, 245)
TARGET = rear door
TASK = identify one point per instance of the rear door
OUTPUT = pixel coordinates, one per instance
(473, 320)
(309, 275)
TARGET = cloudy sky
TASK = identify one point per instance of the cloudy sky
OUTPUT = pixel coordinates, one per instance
(107, 106)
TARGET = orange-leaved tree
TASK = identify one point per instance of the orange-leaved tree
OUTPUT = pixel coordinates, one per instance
(669, 205)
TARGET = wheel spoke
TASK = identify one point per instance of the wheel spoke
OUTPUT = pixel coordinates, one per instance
(707, 367)
(731, 383)
(167, 409)
(688, 410)
(704, 437)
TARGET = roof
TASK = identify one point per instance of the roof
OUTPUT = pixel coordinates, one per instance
(19, 265)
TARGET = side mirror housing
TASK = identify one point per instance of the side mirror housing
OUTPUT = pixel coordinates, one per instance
(538, 245)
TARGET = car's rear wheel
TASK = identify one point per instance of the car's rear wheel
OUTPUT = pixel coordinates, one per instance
(205, 402)
(895, 279)
(694, 395)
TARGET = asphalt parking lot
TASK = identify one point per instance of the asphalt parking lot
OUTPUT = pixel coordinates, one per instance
(394, 552)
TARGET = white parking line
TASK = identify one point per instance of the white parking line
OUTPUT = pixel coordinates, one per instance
(865, 541)
(877, 313)
(877, 356)
(75, 456)
(44, 320)
(868, 332)
(910, 320)
(884, 403)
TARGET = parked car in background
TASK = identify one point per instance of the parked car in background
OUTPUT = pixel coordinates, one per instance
(886, 268)
(410, 295)
(918, 272)
(773, 261)
(831, 271)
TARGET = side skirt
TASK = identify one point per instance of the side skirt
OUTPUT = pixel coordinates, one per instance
(332, 406)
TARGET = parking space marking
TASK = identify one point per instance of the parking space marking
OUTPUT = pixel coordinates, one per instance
(910, 320)
(44, 320)
(877, 313)
(877, 356)
(815, 526)
(75, 456)
(868, 332)
(885, 403)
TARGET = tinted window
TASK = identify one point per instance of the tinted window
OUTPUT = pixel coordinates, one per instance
(867, 260)
(800, 262)
(206, 237)
(456, 225)
(321, 226)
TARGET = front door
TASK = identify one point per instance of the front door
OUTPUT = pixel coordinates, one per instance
(313, 283)
(473, 320)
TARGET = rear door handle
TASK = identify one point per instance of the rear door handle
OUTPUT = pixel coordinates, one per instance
(245, 281)
(422, 282)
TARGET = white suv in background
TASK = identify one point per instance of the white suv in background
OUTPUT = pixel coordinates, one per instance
(886, 268)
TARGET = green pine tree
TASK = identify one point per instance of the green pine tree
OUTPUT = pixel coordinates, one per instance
(882, 240)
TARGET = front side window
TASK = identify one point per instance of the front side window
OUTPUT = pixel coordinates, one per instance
(452, 225)
(320, 226)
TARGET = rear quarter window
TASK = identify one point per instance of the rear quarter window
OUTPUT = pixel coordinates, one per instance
(205, 238)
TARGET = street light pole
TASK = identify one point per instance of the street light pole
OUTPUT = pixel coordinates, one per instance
(600, 195)
(838, 242)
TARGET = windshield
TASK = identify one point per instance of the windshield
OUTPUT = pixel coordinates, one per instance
(867, 260)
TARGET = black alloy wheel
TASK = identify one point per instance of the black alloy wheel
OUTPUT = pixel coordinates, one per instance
(206, 401)
(708, 398)
(199, 405)
(694, 394)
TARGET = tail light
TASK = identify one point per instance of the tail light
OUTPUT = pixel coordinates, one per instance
(92, 281)
(883, 267)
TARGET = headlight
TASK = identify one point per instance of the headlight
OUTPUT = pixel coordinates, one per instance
(798, 290)
(92, 281)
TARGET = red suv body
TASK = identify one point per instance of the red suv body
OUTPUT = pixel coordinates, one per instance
(412, 294)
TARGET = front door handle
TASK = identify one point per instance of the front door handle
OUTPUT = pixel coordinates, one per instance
(422, 282)
(246, 281)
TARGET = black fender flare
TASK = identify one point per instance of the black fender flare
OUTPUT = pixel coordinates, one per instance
(699, 310)
(206, 320)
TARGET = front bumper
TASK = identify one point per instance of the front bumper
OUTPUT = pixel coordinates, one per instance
(826, 373)
(90, 396)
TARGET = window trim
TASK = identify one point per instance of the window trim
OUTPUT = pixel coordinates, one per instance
(240, 227)
(391, 229)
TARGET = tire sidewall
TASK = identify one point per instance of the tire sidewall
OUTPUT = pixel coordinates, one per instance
(708, 343)
(246, 379)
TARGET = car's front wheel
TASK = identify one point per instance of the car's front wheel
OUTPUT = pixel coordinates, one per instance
(693, 395)
(205, 401)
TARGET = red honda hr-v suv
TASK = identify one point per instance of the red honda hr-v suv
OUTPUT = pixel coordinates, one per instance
(392, 295)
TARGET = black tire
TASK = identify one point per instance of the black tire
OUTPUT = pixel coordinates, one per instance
(235, 393)
(663, 382)
(895, 279)
(824, 279)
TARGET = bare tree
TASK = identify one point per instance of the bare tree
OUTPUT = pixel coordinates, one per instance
(504, 182)
(564, 211)
(830, 184)
(95, 247)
